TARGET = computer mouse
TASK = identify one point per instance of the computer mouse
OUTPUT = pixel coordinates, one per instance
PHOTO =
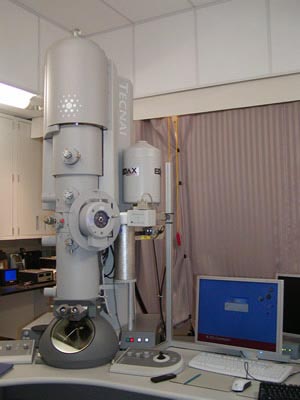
(239, 385)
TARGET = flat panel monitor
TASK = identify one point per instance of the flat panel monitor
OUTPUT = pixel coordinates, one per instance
(8, 276)
(239, 313)
(291, 302)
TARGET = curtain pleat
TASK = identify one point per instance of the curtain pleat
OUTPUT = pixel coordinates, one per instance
(239, 198)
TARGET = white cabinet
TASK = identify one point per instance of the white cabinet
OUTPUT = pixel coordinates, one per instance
(29, 181)
(21, 214)
(6, 177)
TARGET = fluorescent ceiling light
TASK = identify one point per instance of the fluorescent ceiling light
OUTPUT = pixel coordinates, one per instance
(14, 97)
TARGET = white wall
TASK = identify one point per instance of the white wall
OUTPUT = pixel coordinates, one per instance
(24, 39)
(118, 46)
(207, 49)
(220, 97)
(231, 41)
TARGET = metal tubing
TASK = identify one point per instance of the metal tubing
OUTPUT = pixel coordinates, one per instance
(168, 243)
(125, 254)
(131, 311)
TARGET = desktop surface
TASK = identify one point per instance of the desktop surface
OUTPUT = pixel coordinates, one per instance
(100, 381)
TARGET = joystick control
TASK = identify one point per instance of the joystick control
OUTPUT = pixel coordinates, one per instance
(161, 356)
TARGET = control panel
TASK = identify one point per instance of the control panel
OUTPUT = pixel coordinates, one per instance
(145, 333)
(136, 339)
(147, 362)
(16, 351)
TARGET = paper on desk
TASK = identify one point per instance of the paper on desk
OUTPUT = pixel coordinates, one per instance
(5, 367)
(208, 380)
(211, 380)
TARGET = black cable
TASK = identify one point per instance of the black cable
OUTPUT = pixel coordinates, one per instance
(140, 300)
(163, 280)
(161, 296)
(102, 258)
(248, 375)
(116, 310)
(101, 266)
(160, 290)
(104, 255)
(156, 267)
(109, 276)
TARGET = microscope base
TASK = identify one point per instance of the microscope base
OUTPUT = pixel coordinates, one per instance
(87, 343)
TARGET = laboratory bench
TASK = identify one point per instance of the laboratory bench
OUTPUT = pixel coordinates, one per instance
(21, 304)
(39, 381)
(19, 288)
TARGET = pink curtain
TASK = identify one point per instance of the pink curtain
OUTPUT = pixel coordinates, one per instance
(239, 198)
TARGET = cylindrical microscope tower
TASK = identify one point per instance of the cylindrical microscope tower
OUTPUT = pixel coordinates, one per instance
(87, 219)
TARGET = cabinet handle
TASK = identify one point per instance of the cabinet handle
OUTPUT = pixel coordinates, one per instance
(18, 230)
(13, 231)
(37, 223)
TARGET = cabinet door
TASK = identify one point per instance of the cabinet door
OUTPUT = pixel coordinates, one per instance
(6, 177)
(29, 182)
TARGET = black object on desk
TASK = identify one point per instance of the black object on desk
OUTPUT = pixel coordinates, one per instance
(35, 275)
(32, 259)
(278, 391)
(5, 367)
(162, 378)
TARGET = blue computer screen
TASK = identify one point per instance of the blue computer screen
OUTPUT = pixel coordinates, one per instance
(241, 313)
(10, 275)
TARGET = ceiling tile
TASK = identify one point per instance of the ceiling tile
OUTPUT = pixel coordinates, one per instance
(139, 10)
(90, 16)
(199, 3)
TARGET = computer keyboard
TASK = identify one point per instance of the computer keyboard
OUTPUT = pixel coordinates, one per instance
(277, 391)
(241, 367)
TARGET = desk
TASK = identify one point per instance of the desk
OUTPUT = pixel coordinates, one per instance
(20, 305)
(14, 289)
(98, 383)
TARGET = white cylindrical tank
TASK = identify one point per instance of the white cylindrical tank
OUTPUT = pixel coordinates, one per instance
(76, 83)
(141, 173)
